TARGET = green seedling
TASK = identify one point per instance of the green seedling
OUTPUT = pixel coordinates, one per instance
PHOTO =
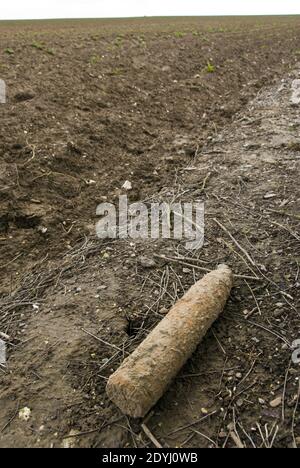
(37, 45)
(210, 68)
(179, 35)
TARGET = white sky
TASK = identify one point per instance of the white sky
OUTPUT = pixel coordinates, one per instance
(31, 9)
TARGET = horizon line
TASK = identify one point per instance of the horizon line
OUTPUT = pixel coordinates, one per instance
(153, 16)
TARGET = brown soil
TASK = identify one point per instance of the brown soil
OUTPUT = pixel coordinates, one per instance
(132, 100)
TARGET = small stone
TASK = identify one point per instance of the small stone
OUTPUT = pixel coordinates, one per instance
(147, 262)
(186, 270)
(278, 313)
(261, 401)
(24, 414)
(90, 182)
(256, 340)
(42, 229)
(127, 185)
(277, 402)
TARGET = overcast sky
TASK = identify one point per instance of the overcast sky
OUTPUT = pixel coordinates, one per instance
(22, 9)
